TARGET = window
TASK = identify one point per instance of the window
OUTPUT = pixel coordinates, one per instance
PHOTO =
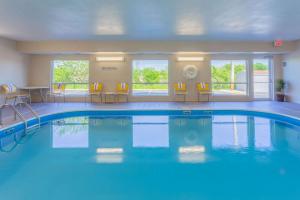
(229, 77)
(262, 79)
(73, 73)
(150, 78)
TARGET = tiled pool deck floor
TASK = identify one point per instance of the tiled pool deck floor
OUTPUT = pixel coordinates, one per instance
(286, 108)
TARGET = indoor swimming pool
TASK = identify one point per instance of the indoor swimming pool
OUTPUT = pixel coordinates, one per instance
(153, 155)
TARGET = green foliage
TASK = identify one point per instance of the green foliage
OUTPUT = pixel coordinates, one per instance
(260, 66)
(223, 75)
(280, 85)
(150, 75)
(71, 71)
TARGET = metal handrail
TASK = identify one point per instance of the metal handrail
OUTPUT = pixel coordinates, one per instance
(229, 83)
(16, 113)
(35, 114)
(71, 83)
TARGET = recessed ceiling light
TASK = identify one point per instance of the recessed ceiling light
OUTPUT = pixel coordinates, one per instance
(111, 58)
(191, 59)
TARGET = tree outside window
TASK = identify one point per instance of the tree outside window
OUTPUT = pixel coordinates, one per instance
(229, 77)
(73, 73)
(150, 77)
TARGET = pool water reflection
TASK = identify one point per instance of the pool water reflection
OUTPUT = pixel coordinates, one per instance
(153, 157)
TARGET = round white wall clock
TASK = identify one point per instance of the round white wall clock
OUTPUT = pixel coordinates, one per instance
(190, 71)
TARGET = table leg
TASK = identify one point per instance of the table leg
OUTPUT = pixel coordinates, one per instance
(1, 123)
(41, 95)
(29, 94)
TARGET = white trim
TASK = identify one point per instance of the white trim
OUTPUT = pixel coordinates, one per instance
(271, 79)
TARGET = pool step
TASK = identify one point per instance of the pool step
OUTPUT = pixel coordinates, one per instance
(33, 127)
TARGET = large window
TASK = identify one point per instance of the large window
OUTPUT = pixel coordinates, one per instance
(150, 78)
(262, 79)
(229, 77)
(73, 73)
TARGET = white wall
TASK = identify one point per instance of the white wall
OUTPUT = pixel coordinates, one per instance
(291, 74)
(13, 65)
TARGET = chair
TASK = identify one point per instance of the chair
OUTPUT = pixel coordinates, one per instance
(11, 92)
(123, 90)
(180, 90)
(95, 89)
(203, 89)
(57, 90)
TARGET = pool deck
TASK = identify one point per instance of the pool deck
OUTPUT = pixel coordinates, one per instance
(285, 108)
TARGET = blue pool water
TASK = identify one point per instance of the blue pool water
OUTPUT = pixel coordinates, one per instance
(219, 156)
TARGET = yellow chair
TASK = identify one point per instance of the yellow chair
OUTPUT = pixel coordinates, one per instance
(11, 92)
(180, 90)
(123, 90)
(203, 89)
(57, 90)
(95, 89)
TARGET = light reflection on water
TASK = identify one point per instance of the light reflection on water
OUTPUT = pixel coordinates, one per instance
(125, 157)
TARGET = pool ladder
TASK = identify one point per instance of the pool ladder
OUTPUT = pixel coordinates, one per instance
(20, 115)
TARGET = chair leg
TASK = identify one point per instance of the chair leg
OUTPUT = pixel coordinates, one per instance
(1, 122)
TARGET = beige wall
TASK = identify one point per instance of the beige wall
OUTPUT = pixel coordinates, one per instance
(35, 69)
(13, 65)
(291, 74)
(40, 72)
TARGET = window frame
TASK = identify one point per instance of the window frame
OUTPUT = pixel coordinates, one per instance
(247, 83)
(271, 78)
(83, 92)
(165, 83)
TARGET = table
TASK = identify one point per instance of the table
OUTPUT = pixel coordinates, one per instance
(113, 95)
(29, 89)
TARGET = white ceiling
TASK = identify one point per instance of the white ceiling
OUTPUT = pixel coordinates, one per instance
(150, 19)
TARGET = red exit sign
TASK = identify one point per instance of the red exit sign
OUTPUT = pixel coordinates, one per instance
(278, 43)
